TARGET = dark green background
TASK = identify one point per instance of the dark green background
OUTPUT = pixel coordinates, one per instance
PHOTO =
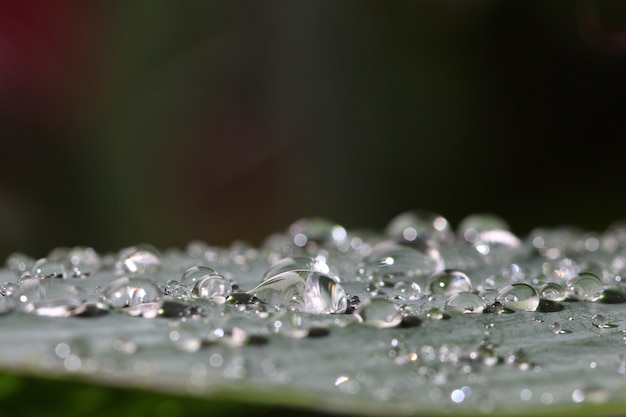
(163, 121)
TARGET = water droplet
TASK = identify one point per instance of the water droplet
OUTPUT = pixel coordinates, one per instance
(465, 302)
(419, 224)
(310, 233)
(45, 268)
(8, 288)
(50, 298)
(130, 292)
(449, 282)
(520, 297)
(138, 259)
(308, 291)
(296, 263)
(601, 322)
(194, 274)
(212, 287)
(406, 291)
(584, 287)
(591, 394)
(83, 261)
(390, 259)
(552, 291)
(558, 329)
(380, 313)
(19, 263)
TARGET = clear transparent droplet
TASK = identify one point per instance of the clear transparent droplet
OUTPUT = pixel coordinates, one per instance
(448, 282)
(465, 302)
(380, 313)
(390, 259)
(602, 322)
(50, 298)
(419, 224)
(521, 297)
(45, 268)
(130, 292)
(194, 274)
(83, 261)
(295, 263)
(211, 287)
(585, 287)
(406, 291)
(552, 291)
(19, 263)
(307, 291)
(138, 259)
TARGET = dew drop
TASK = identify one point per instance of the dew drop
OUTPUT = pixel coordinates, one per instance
(212, 287)
(138, 259)
(448, 282)
(465, 302)
(419, 224)
(601, 322)
(552, 292)
(50, 298)
(406, 291)
(390, 259)
(558, 329)
(307, 291)
(379, 313)
(521, 297)
(584, 287)
(296, 263)
(194, 274)
(130, 292)
(45, 268)
(19, 263)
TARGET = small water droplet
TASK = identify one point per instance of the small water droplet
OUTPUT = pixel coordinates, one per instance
(601, 322)
(585, 287)
(420, 224)
(19, 263)
(8, 288)
(391, 259)
(521, 297)
(138, 259)
(406, 291)
(448, 282)
(380, 313)
(194, 274)
(465, 302)
(212, 287)
(552, 291)
(558, 329)
(130, 292)
(307, 291)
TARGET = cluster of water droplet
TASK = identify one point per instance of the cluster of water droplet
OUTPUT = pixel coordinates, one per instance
(318, 274)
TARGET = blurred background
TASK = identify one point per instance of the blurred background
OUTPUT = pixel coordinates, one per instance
(162, 121)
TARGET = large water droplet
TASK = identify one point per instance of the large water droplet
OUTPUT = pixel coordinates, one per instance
(520, 297)
(552, 291)
(584, 287)
(390, 259)
(419, 224)
(130, 292)
(46, 268)
(212, 287)
(448, 282)
(296, 263)
(308, 291)
(465, 302)
(50, 298)
(83, 261)
(138, 259)
(380, 313)
(195, 274)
